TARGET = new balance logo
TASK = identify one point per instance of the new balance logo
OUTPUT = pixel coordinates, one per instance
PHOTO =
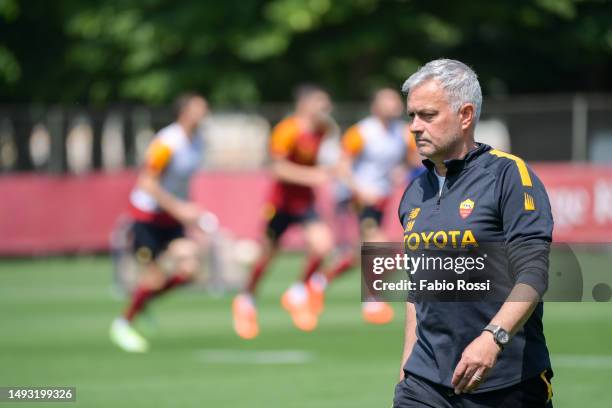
(409, 226)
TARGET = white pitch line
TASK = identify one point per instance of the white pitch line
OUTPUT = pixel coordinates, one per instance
(263, 357)
(581, 361)
(230, 356)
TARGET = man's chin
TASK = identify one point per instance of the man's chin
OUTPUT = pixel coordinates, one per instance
(426, 151)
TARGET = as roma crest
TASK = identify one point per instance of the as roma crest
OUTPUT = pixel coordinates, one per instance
(465, 208)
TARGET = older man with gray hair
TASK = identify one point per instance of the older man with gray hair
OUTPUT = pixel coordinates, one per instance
(478, 353)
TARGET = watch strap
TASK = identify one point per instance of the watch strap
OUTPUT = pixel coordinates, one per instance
(493, 329)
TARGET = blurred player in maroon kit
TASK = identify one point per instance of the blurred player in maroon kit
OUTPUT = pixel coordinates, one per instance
(294, 146)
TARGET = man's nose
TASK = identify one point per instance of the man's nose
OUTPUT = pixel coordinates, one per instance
(416, 125)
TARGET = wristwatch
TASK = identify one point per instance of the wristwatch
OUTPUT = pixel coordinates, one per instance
(502, 338)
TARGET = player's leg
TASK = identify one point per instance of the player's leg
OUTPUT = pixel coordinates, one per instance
(345, 262)
(346, 247)
(268, 253)
(299, 300)
(370, 224)
(183, 255)
(277, 224)
(370, 221)
(150, 282)
(151, 244)
(319, 282)
(149, 241)
(244, 310)
(319, 240)
(122, 332)
(345, 241)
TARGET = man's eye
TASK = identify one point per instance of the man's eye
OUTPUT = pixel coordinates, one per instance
(427, 116)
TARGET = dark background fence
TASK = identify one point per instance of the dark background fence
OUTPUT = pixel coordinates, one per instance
(540, 128)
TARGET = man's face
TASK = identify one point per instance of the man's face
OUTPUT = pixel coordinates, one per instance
(436, 126)
(317, 104)
(387, 104)
(196, 110)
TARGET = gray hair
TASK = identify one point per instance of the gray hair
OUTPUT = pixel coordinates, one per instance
(458, 80)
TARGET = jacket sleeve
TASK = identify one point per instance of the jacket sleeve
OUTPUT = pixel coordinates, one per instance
(527, 223)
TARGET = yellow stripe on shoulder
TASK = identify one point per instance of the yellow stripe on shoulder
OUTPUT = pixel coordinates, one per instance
(522, 167)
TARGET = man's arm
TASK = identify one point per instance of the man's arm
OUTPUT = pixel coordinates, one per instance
(157, 158)
(294, 173)
(410, 337)
(344, 172)
(527, 222)
(515, 312)
(282, 144)
(352, 146)
(481, 354)
(184, 211)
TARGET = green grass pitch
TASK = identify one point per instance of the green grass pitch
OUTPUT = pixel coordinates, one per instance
(55, 315)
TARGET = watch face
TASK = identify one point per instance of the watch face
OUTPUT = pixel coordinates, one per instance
(503, 337)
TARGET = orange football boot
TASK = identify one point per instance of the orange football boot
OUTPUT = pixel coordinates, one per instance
(316, 297)
(245, 317)
(377, 312)
(300, 310)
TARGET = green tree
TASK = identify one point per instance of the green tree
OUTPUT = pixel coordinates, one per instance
(248, 51)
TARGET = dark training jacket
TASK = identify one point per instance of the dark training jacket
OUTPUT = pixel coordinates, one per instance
(489, 197)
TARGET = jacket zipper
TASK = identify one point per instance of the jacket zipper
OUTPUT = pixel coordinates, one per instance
(437, 209)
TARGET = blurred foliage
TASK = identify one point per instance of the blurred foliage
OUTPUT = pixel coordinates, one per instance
(247, 51)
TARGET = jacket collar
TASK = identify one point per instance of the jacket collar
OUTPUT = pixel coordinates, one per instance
(456, 165)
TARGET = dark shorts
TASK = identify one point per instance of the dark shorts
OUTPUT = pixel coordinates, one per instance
(368, 213)
(416, 392)
(371, 214)
(280, 221)
(150, 240)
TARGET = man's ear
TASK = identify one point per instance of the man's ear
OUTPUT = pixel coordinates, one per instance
(466, 115)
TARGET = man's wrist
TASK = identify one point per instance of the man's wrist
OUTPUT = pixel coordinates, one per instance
(500, 336)
(491, 337)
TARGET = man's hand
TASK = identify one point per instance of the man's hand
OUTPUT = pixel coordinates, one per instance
(476, 360)
(322, 175)
(187, 213)
(303, 175)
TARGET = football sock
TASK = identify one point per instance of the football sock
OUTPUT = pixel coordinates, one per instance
(140, 298)
(142, 295)
(173, 282)
(257, 273)
(341, 267)
(312, 264)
